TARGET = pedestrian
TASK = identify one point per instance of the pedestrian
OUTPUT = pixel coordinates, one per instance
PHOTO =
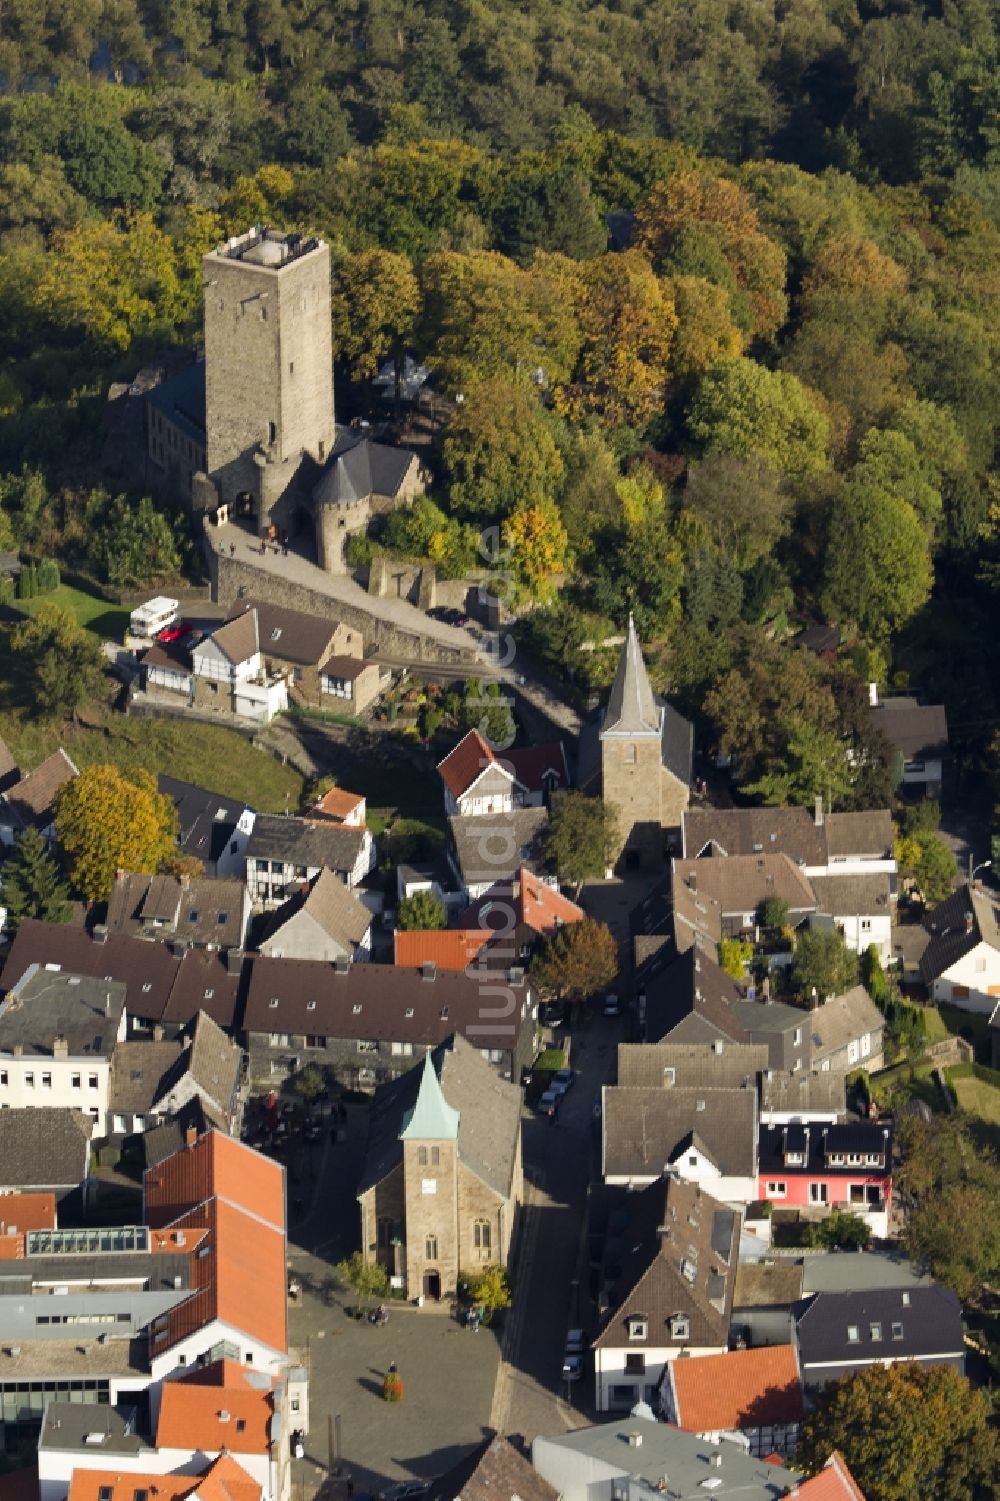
(232, 549)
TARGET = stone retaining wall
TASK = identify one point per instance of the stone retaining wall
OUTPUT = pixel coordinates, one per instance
(230, 575)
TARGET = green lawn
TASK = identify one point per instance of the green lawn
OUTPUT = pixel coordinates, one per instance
(98, 615)
(206, 754)
(937, 1030)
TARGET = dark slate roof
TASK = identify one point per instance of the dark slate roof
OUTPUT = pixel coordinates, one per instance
(818, 638)
(677, 744)
(206, 820)
(203, 982)
(964, 920)
(373, 1001)
(301, 639)
(692, 1000)
(489, 1116)
(494, 1471)
(645, 1130)
(723, 1065)
(164, 1140)
(358, 468)
(918, 731)
(300, 841)
(814, 1141)
(915, 1322)
(682, 1259)
(181, 399)
(44, 1148)
(632, 706)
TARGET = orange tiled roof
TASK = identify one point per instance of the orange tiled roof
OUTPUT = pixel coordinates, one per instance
(741, 1389)
(338, 803)
(526, 900)
(236, 1418)
(225, 1480)
(448, 948)
(27, 1212)
(86, 1485)
(235, 1197)
(834, 1482)
(460, 768)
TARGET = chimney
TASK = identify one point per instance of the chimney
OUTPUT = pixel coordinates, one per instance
(119, 874)
(190, 1136)
(60, 1047)
(19, 1050)
(873, 695)
(157, 1032)
(968, 922)
(818, 812)
(185, 882)
(716, 1461)
(635, 1439)
(234, 961)
(428, 970)
(99, 932)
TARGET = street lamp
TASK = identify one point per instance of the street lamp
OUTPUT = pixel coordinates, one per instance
(983, 865)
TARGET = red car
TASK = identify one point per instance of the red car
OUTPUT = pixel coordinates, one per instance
(173, 632)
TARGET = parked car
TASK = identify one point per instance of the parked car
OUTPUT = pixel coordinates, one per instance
(563, 1080)
(612, 1005)
(576, 1342)
(552, 1014)
(572, 1367)
(405, 1490)
(548, 1103)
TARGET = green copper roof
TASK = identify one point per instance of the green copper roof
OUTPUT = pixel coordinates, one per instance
(432, 1118)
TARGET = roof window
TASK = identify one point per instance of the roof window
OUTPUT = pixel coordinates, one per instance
(274, 1003)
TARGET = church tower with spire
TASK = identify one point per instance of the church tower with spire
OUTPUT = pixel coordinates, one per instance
(646, 754)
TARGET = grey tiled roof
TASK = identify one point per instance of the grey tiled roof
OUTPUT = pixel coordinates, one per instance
(489, 1116)
(494, 1471)
(929, 1321)
(692, 1000)
(299, 841)
(723, 1065)
(359, 468)
(782, 1089)
(301, 638)
(841, 1019)
(742, 882)
(788, 831)
(201, 911)
(139, 1068)
(491, 848)
(44, 1148)
(645, 1129)
(682, 1259)
(632, 707)
(916, 730)
(341, 915)
(45, 1004)
(852, 895)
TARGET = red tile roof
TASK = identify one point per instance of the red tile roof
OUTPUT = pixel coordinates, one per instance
(741, 1389)
(338, 803)
(20, 1213)
(223, 1480)
(236, 1418)
(524, 901)
(462, 766)
(451, 948)
(539, 767)
(834, 1482)
(235, 1198)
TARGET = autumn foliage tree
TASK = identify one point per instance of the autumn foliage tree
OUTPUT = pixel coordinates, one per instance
(906, 1431)
(579, 960)
(107, 820)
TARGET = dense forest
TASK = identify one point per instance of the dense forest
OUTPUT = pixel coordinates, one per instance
(767, 400)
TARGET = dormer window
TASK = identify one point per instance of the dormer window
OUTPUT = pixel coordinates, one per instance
(357, 1010)
(680, 1326)
(310, 1005)
(273, 1003)
(638, 1326)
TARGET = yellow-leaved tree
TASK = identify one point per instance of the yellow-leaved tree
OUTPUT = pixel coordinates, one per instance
(109, 820)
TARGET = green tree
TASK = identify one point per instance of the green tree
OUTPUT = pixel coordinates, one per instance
(375, 300)
(638, 571)
(582, 837)
(951, 1185)
(490, 1288)
(107, 820)
(421, 911)
(741, 408)
(30, 884)
(774, 913)
(741, 503)
(500, 452)
(578, 961)
(842, 1231)
(822, 964)
(906, 1431)
(61, 661)
(309, 1083)
(369, 1279)
(924, 857)
(130, 543)
(878, 564)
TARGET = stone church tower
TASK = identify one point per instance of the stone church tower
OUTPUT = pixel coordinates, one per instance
(268, 372)
(431, 1189)
(646, 755)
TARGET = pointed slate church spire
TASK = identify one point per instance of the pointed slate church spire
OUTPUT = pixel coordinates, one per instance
(632, 708)
(432, 1118)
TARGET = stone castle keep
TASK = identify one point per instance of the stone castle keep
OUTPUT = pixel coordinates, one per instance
(251, 431)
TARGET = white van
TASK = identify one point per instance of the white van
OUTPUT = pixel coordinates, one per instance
(146, 621)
